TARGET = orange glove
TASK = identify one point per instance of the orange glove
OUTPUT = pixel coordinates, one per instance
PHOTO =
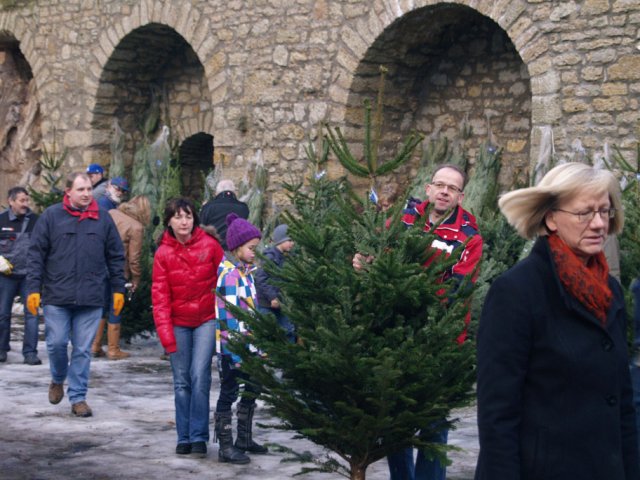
(33, 303)
(118, 303)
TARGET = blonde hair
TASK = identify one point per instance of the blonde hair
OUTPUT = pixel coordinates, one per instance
(138, 208)
(526, 208)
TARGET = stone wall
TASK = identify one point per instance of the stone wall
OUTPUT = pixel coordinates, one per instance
(257, 76)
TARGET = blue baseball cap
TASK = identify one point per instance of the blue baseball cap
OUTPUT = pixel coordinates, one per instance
(95, 168)
(121, 183)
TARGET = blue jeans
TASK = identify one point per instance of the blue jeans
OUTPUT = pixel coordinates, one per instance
(283, 321)
(191, 365)
(78, 324)
(11, 287)
(401, 466)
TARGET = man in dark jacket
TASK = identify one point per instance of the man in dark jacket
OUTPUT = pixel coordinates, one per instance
(74, 247)
(98, 180)
(16, 225)
(268, 293)
(225, 202)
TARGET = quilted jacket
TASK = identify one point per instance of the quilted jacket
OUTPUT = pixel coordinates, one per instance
(184, 282)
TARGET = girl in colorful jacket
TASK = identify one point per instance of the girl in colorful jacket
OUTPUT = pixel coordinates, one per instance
(236, 287)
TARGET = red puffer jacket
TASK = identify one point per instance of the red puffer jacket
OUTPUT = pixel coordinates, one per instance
(184, 282)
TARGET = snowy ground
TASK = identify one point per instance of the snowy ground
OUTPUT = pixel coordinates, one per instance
(132, 432)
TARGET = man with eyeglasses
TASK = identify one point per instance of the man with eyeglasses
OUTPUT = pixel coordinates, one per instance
(458, 235)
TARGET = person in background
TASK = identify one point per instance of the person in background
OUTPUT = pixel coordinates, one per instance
(185, 271)
(268, 292)
(554, 390)
(116, 189)
(458, 236)
(16, 225)
(131, 219)
(74, 248)
(98, 180)
(225, 202)
(235, 286)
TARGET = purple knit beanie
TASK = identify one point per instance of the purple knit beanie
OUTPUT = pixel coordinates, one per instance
(239, 231)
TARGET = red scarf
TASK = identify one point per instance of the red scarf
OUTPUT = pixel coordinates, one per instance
(91, 211)
(587, 283)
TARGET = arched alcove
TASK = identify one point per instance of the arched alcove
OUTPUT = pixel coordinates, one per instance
(152, 78)
(196, 159)
(449, 67)
(20, 128)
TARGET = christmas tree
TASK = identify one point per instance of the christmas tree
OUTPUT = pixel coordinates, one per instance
(377, 358)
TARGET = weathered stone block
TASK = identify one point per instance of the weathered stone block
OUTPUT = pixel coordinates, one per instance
(595, 7)
(626, 68)
(610, 104)
(573, 105)
(546, 109)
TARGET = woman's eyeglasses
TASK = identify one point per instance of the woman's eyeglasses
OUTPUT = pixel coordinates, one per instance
(587, 217)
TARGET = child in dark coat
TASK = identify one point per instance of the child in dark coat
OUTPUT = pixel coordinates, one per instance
(268, 293)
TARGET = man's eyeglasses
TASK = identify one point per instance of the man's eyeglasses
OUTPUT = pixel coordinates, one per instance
(442, 186)
(587, 217)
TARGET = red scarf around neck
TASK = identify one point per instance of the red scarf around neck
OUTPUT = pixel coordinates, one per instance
(587, 283)
(92, 211)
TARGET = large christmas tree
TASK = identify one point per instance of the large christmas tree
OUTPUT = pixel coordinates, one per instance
(377, 358)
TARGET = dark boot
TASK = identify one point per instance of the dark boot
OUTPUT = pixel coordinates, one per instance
(245, 422)
(227, 453)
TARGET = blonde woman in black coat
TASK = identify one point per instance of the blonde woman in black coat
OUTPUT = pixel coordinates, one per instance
(554, 392)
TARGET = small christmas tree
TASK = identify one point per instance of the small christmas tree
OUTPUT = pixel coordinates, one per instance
(51, 162)
(377, 358)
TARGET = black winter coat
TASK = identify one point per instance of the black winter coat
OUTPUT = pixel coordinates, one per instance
(14, 242)
(69, 261)
(215, 212)
(554, 391)
(264, 287)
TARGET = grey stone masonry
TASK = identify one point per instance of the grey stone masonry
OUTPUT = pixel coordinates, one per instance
(259, 76)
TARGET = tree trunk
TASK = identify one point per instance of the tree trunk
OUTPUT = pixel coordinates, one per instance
(358, 472)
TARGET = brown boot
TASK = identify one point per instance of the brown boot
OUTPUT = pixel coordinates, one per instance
(96, 347)
(113, 339)
(56, 392)
(81, 409)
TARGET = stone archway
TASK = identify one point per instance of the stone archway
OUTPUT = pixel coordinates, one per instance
(20, 130)
(450, 68)
(152, 78)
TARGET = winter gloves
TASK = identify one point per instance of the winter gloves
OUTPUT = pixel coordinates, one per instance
(5, 266)
(118, 303)
(33, 303)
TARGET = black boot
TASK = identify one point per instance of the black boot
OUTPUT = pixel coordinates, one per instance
(245, 422)
(227, 453)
